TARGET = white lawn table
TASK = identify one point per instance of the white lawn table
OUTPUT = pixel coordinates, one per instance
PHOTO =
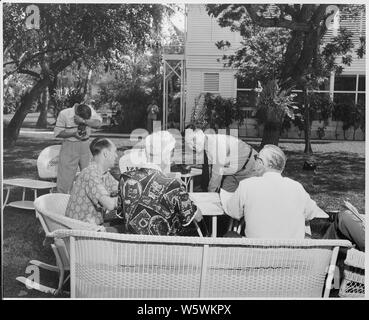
(209, 205)
(26, 184)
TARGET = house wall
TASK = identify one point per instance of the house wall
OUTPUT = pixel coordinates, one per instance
(202, 56)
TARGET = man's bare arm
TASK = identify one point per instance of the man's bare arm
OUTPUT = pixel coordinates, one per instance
(109, 203)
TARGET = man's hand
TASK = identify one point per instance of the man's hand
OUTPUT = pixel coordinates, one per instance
(78, 136)
(79, 120)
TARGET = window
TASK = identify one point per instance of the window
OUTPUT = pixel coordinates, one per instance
(345, 83)
(361, 83)
(247, 97)
(211, 82)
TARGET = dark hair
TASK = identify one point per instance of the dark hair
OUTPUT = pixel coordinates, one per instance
(83, 111)
(98, 144)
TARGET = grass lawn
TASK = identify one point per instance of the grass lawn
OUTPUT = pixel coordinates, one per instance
(340, 175)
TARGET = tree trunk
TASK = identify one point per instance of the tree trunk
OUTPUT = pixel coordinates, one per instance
(307, 124)
(271, 133)
(52, 90)
(87, 80)
(12, 130)
(42, 119)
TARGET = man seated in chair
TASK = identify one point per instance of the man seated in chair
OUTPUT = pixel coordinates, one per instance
(276, 207)
(95, 189)
(151, 201)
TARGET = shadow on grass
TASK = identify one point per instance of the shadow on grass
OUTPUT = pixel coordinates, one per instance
(338, 176)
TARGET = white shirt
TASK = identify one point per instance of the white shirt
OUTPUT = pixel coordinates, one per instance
(273, 206)
(66, 121)
(227, 154)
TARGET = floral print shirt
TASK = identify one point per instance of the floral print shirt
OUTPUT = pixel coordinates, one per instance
(152, 203)
(91, 185)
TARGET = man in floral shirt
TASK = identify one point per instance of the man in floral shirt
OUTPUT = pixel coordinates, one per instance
(92, 193)
(150, 201)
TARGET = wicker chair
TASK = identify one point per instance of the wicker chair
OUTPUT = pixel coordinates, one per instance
(50, 210)
(353, 283)
(107, 265)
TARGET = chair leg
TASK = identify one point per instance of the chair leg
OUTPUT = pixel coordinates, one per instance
(44, 265)
(60, 284)
(60, 269)
(35, 285)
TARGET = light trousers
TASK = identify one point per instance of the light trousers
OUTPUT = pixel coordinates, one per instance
(73, 154)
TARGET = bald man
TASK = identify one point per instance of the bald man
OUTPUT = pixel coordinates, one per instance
(93, 192)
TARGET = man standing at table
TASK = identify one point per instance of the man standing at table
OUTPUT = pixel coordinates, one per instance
(75, 147)
(232, 159)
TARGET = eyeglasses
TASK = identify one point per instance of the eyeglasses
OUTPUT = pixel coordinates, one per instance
(256, 157)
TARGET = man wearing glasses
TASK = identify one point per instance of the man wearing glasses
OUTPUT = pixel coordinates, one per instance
(232, 159)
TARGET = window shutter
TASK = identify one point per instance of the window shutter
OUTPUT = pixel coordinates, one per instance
(211, 82)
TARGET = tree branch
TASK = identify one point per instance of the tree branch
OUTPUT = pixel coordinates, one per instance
(288, 9)
(29, 72)
(274, 22)
(319, 14)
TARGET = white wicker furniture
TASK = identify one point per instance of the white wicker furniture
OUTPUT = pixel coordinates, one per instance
(47, 164)
(50, 210)
(106, 265)
(353, 283)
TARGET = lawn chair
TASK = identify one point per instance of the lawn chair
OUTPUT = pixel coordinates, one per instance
(50, 210)
(107, 265)
(47, 164)
(353, 283)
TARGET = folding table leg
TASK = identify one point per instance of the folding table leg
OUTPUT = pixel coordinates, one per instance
(214, 226)
(191, 184)
(24, 194)
(7, 196)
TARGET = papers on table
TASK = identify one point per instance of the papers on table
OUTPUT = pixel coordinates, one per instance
(208, 203)
(349, 206)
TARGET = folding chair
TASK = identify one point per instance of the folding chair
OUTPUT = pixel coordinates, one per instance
(50, 210)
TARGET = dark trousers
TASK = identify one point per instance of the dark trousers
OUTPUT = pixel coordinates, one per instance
(347, 226)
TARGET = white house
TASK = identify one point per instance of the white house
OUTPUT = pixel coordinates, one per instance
(205, 73)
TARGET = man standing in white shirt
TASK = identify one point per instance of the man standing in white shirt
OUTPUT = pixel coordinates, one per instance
(273, 206)
(232, 159)
(75, 148)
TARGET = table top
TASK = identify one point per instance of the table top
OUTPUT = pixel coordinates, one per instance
(193, 173)
(29, 183)
(208, 203)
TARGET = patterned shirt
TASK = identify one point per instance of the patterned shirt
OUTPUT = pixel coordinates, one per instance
(152, 203)
(91, 185)
(66, 121)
